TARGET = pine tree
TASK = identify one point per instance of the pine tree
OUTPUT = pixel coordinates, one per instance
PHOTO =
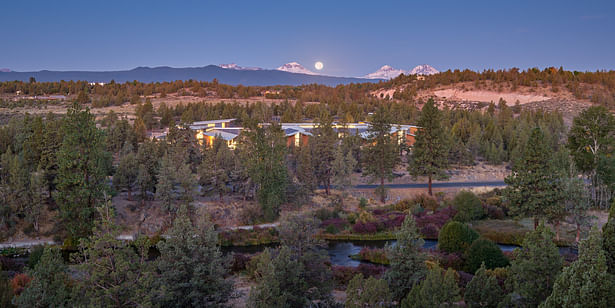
(586, 282)
(534, 188)
(281, 283)
(187, 182)
(191, 266)
(216, 168)
(608, 240)
(264, 151)
(323, 145)
(407, 265)
(50, 285)
(535, 266)
(380, 154)
(370, 292)
(148, 161)
(116, 274)
(343, 165)
(576, 203)
(165, 188)
(305, 168)
(439, 289)
(82, 163)
(483, 290)
(127, 171)
(430, 151)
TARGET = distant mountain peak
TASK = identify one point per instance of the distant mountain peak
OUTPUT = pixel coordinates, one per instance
(5, 70)
(385, 72)
(295, 67)
(423, 69)
(233, 66)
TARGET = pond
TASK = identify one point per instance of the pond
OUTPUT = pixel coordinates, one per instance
(340, 251)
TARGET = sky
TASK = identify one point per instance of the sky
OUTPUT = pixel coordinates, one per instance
(351, 38)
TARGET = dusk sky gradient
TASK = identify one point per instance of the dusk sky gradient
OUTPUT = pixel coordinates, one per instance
(351, 38)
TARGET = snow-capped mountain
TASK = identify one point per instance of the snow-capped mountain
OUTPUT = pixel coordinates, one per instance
(385, 72)
(233, 66)
(294, 67)
(424, 69)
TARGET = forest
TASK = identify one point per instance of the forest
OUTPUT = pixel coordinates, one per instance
(59, 174)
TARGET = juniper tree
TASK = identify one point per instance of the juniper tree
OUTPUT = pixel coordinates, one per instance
(36, 193)
(116, 274)
(215, 170)
(608, 240)
(407, 261)
(370, 292)
(586, 282)
(535, 266)
(343, 166)
(191, 266)
(127, 171)
(380, 155)
(534, 188)
(439, 289)
(165, 188)
(82, 162)
(324, 145)
(430, 151)
(264, 151)
(483, 290)
(50, 285)
(305, 168)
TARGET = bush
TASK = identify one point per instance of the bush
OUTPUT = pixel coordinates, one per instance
(240, 262)
(35, 256)
(364, 228)
(468, 207)
(426, 202)
(343, 274)
(430, 231)
(456, 237)
(484, 250)
(362, 203)
(19, 283)
(495, 212)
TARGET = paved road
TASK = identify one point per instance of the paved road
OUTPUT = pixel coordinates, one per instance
(437, 185)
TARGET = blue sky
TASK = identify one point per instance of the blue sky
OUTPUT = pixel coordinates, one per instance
(351, 38)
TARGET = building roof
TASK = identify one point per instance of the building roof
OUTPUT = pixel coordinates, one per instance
(220, 133)
(197, 123)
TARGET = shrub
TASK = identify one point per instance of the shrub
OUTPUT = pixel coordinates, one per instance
(374, 255)
(331, 229)
(468, 207)
(430, 231)
(240, 262)
(362, 202)
(484, 250)
(364, 228)
(456, 237)
(343, 274)
(19, 283)
(404, 205)
(495, 212)
(426, 202)
(35, 256)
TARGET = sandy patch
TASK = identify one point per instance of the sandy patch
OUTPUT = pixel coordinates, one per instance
(489, 96)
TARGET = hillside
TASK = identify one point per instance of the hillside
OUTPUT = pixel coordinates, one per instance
(229, 76)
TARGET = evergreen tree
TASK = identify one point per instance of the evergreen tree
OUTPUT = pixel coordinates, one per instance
(370, 292)
(264, 151)
(216, 168)
(576, 203)
(187, 182)
(280, 283)
(50, 285)
(534, 187)
(305, 168)
(439, 289)
(586, 282)
(165, 189)
(483, 290)
(127, 171)
(148, 161)
(191, 266)
(324, 144)
(116, 274)
(381, 155)
(82, 163)
(535, 266)
(6, 291)
(430, 151)
(484, 251)
(608, 240)
(407, 261)
(343, 165)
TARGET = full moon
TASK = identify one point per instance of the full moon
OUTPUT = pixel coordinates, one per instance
(318, 65)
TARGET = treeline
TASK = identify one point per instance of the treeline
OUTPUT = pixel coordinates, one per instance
(599, 87)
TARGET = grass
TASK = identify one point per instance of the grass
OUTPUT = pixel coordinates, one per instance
(511, 232)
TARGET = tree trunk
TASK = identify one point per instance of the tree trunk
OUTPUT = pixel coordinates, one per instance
(578, 238)
(535, 223)
(429, 186)
(556, 226)
(382, 195)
